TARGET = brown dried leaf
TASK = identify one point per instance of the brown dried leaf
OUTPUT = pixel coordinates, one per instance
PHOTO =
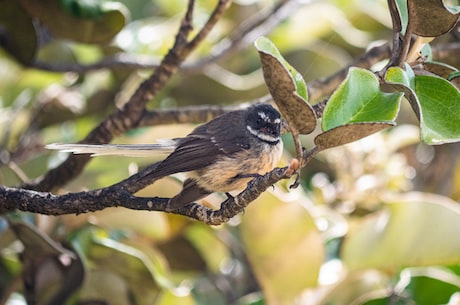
(348, 133)
(281, 80)
(438, 68)
(431, 18)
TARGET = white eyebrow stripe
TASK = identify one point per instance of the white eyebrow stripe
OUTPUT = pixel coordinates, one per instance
(266, 118)
(263, 116)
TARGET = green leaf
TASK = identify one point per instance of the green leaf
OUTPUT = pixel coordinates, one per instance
(453, 75)
(397, 75)
(454, 79)
(85, 9)
(431, 285)
(410, 74)
(287, 88)
(97, 28)
(403, 14)
(282, 244)
(434, 100)
(359, 99)
(440, 110)
(416, 229)
(427, 52)
(398, 80)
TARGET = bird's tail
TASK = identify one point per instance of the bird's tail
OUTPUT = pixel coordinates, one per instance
(129, 150)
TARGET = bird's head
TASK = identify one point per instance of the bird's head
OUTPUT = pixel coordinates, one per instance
(264, 122)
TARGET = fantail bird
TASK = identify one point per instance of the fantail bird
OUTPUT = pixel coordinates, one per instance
(222, 155)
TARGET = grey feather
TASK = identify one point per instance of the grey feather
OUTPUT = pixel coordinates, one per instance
(128, 150)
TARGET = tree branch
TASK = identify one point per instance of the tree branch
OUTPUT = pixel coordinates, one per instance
(121, 60)
(121, 195)
(128, 117)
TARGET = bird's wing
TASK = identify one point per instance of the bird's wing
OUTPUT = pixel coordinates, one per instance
(136, 150)
(225, 135)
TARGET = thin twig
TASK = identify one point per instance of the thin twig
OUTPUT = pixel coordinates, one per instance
(324, 87)
(121, 60)
(397, 27)
(257, 25)
(402, 56)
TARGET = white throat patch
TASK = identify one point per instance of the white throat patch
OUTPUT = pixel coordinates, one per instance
(263, 136)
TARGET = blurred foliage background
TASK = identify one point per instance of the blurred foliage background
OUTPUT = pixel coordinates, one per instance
(375, 221)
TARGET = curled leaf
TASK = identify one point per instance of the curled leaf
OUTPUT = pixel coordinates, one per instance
(398, 80)
(432, 18)
(454, 79)
(441, 69)
(287, 88)
(434, 101)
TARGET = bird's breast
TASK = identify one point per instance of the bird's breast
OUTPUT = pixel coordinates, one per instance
(222, 176)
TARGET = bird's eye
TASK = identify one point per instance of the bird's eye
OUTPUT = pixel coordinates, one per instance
(259, 121)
